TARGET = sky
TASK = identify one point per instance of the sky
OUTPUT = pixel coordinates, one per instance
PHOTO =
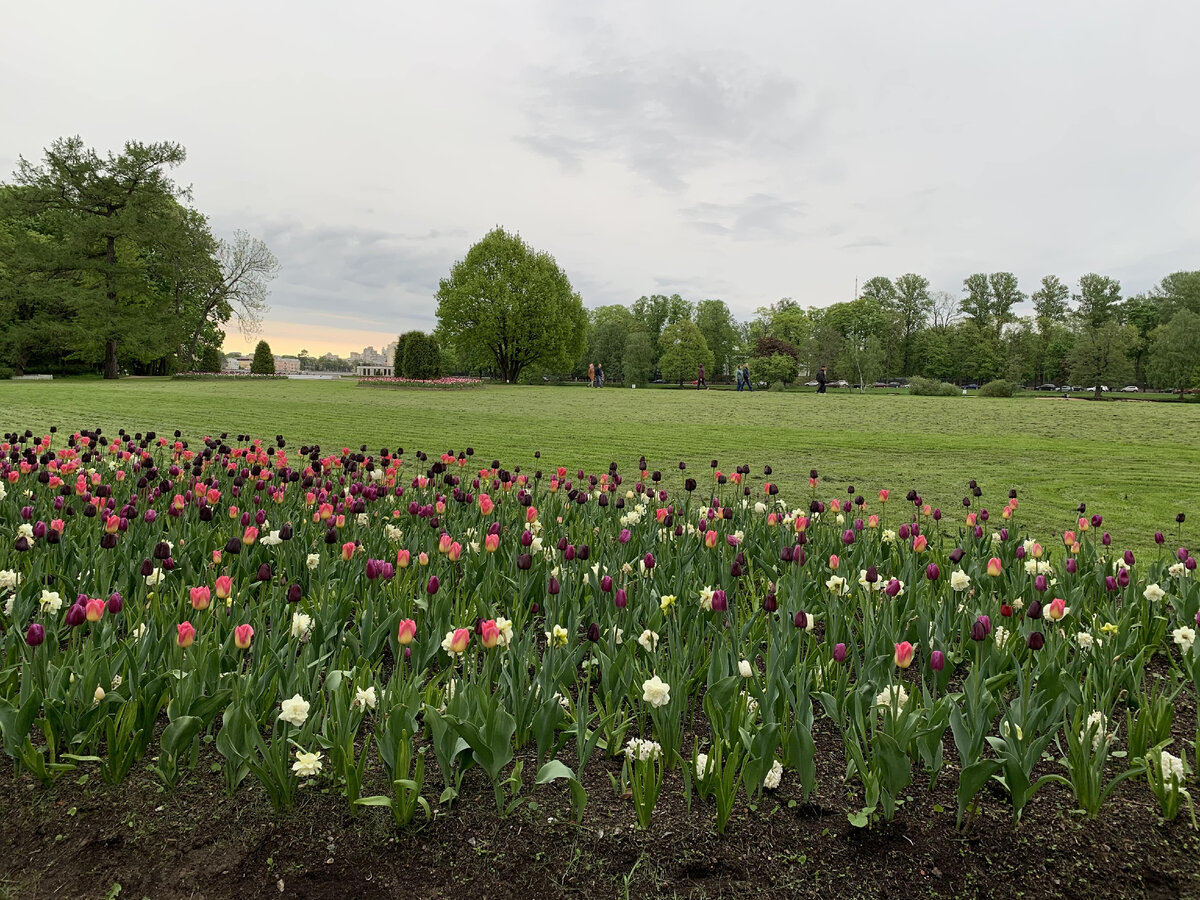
(742, 152)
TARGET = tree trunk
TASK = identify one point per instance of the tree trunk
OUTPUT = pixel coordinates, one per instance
(110, 358)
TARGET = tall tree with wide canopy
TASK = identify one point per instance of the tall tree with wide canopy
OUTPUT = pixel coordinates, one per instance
(107, 212)
(511, 306)
(913, 304)
(684, 350)
(719, 328)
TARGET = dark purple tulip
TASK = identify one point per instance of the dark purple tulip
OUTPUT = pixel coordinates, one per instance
(526, 538)
(524, 561)
(1123, 578)
(893, 587)
(848, 537)
(978, 632)
(736, 569)
(978, 532)
(593, 632)
(1128, 557)
(233, 546)
(986, 622)
(1097, 520)
(770, 603)
(569, 553)
(902, 532)
(431, 587)
(264, 572)
(1181, 518)
(1190, 564)
(39, 530)
(373, 570)
(937, 660)
(621, 598)
(1036, 640)
(956, 555)
(26, 513)
(932, 572)
(150, 515)
(1110, 583)
(648, 560)
(800, 620)
(1004, 534)
(859, 525)
(937, 515)
(984, 515)
(76, 615)
(115, 603)
(839, 653)
(1072, 565)
(554, 587)
(719, 601)
(1020, 551)
(1181, 554)
(872, 575)
(1159, 538)
(786, 554)
(1106, 539)
(689, 484)
(606, 583)
(1040, 584)
(107, 542)
(1035, 610)
(147, 568)
(624, 536)
(35, 634)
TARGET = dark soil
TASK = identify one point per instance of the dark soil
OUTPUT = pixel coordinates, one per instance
(84, 839)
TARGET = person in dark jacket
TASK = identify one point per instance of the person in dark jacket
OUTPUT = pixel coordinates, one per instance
(746, 377)
(822, 378)
(700, 382)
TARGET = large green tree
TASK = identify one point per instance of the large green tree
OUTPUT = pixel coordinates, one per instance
(263, 362)
(1174, 359)
(1005, 295)
(637, 364)
(106, 212)
(1100, 356)
(977, 305)
(913, 304)
(511, 306)
(684, 350)
(719, 328)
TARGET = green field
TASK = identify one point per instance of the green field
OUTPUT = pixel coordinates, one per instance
(1135, 463)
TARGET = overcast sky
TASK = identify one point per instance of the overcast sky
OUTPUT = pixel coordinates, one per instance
(744, 152)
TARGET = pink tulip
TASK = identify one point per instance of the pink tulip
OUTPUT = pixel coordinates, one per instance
(186, 634)
(489, 634)
(904, 654)
(994, 566)
(347, 550)
(94, 610)
(490, 543)
(200, 597)
(407, 631)
(402, 558)
(462, 637)
(224, 587)
(1057, 609)
(920, 542)
(250, 535)
(242, 636)
(444, 543)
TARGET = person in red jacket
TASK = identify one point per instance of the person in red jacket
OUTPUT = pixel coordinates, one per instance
(700, 382)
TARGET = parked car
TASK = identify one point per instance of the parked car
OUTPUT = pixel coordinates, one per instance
(1130, 389)
(970, 387)
(1103, 388)
(1067, 387)
(811, 383)
(1047, 387)
(881, 384)
(841, 382)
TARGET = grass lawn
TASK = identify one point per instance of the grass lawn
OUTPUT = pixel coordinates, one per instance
(1133, 462)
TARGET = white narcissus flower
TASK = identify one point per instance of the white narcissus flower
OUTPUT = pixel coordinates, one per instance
(1153, 593)
(365, 697)
(1178, 570)
(8, 605)
(837, 585)
(656, 692)
(271, 540)
(1099, 721)
(1184, 638)
(362, 519)
(301, 625)
(557, 637)
(506, 631)
(960, 580)
(294, 710)
(744, 668)
(706, 595)
(51, 602)
(155, 577)
(760, 507)
(774, 776)
(649, 640)
(306, 764)
(9, 579)
(618, 635)
(1085, 640)
(894, 696)
(25, 530)
(393, 533)
(888, 536)
(313, 560)
(641, 750)
(98, 696)
(536, 545)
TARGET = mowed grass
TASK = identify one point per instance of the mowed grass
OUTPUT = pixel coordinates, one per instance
(1136, 463)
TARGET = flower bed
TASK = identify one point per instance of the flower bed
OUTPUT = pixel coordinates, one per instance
(350, 619)
(213, 376)
(450, 382)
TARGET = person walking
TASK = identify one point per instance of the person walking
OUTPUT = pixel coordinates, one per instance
(746, 377)
(822, 378)
(738, 371)
(591, 374)
(600, 375)
(700, 382)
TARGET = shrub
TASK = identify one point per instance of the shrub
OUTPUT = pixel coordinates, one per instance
(210, 360)
(776, 387)
(398, 361)
(777, 367)
(997, 388)
(928, 387)
(422, 359)
(263, 362)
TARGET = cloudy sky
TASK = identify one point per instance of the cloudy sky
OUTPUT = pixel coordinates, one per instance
(745, 152)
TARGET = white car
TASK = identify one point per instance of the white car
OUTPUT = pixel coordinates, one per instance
(1130, 389)
(1103, 388)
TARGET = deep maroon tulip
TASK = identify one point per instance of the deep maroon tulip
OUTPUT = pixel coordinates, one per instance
(233, 546)
(526, 538)
(1181, 554)
(35, 634)
(648, 560)
(893, 587)
(147, 568)
(986, 621)
(736, 569)
(524, 561)
(1110, 583)
(1190, 564)
(1004, 534)
(1035, 610)
(606, 583)
(76, 615)
(1159, 537)
(1097, 520)
(593, 632)
(621, 598)
(872, 575)
(689, 484)
(1020, 551)
(719, 601)
(978, 632)
(569, 553)
(1123, 578)
(839, 653)
(859, 525)
(770, 603)
(937, 515)
(1106, 539)
(431, 587)
(554, 587)
(848, 537)
(1181, 518)
(956, 555)
(800, 620)
(902, 532)
(26, 513)
(624, 536)
(1072, 565)
(107, 542)
(1128, 557)
(932, 572)
(786, 554)
(372, 570)
(937, 660)
(1036, 640)
(285, 533)
(264, 572)
(115, 603)
(162, 550)
(39, 530)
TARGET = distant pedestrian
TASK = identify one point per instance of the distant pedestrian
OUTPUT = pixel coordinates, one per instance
(746, 377)
(600, 375)
(700, 382)
(591, 374)
(822, 378)
(738, 372)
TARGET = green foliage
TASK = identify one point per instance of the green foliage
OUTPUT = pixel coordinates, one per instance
(210, 360)
(422, 359)
(510, 306)
(637, 363)
(398, 359)
(684, 350)
(927, 387)
(775, 368)
(264, 361)
(1101, 355)
(717, 324)
(1175, 353)
(997, 388)
(777, 387)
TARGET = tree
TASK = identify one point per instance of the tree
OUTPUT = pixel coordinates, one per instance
(1179, 290)
(943, 310)
(510, 305)
(606, 347)
(880, 290)
(684, 350)
(656, 312)
(717, 324)
(913, 305)
(1097, 299)
(638, 360)
(106, 212)
(860, 323)
(1101, 356)
(210, 360)
(1005, 295)
(422, 358)
(398, 359)
(1175, 352)
(1143, 313)
(263, 362)
(977, 305)
(1050, 303)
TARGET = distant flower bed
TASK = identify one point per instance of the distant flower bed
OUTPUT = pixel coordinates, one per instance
(205, 376)
(449, 382)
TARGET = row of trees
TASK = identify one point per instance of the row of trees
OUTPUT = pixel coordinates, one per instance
(104, 266)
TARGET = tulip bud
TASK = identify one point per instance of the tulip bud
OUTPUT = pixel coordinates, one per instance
(76, 615)
(903, 655)
(1123, 578)
(770, 603)
(956, 555)
(648, 560)
(185, 634)
(1159, 538)
(593, 632)
(932, 572)
(294, 593)
(115, 603)
(872, 575)
(242, 636)
(800, 620)
(937, 660)
(839, 653)
(1035, 610)
(621, 598)
(893, 587)
(719, 601)
(264, 572)
(524, 561)
(35, 634)
(1036, 640)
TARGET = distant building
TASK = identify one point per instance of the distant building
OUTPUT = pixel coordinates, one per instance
(287, 365)
(373, 371)
(229, 364)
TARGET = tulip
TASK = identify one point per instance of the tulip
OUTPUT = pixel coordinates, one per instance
(347, 550)
(250, 535)
(621, 598)
(186, 634)
(35, 634)
(1159, 538)
(1072, 566)
(1040, 584)
(994, 566)
(606, 584)
(489, 634)
(294, 593)
(648, 560)
(460, 639)
(593, 632)
(956, 555)
(839, 653)
(242, 636)
(834, 562)
(264, 572)
(1006, 610)
(932, 572)
(848, 537)
(920, 542)
(224, 587)
(1123, 578)
(1110, 583)
(490, 543)
(1036, 640)
(1057, 609)
(903, 656)
(978, 631)
(719, 601)
(76, 615)
(554, 587)
(403, 557)
(431, 586)
(94, 609)
(872, 575)
(406, 631)
(115, 603)
(800, 620)
(1035, 610)
(937, 660)
(1128, 557)
(524, 561)
(200, 597)
(710, 539)
(893, 587)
